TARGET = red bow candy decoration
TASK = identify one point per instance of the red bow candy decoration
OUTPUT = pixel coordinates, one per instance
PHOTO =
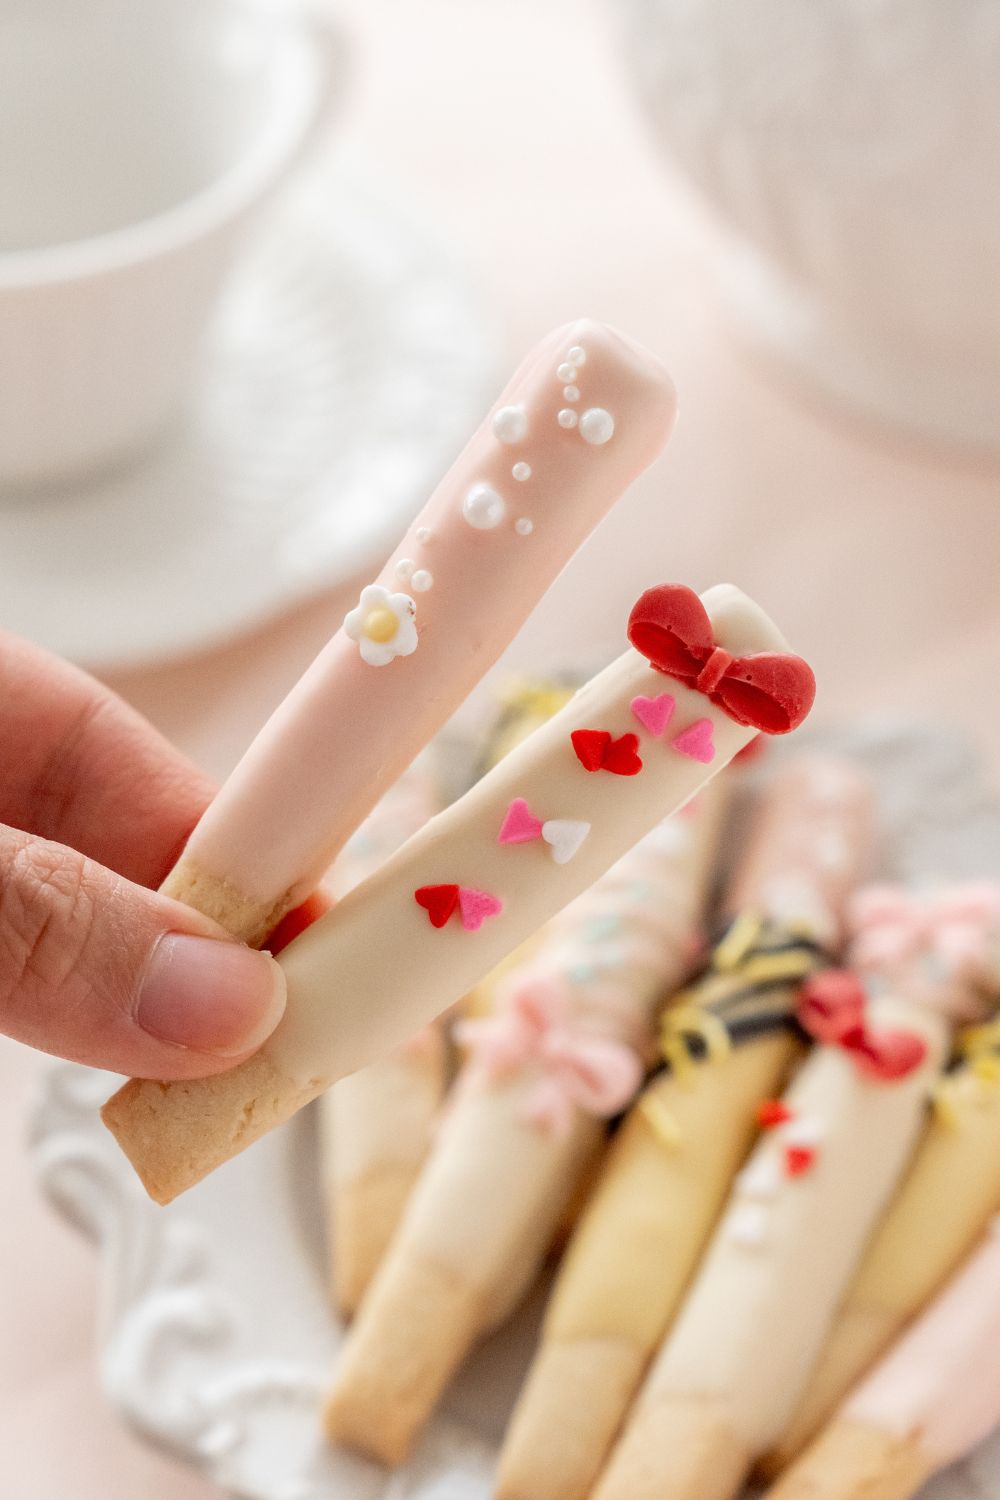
(833, 1009)
(599, 1075)
(769, 690)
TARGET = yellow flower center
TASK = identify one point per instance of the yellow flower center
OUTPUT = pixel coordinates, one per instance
(380, 626)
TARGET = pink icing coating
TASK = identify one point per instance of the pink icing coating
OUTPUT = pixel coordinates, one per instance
(941, 1381)
(348, 729)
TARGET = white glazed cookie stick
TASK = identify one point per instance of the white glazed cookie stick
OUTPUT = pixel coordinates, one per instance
(673, 1158)
(447, 907)
(730, 1373)
(563, 1049)
(376, 1125)
(928, 1402)
(582, 417)
(950, 1193)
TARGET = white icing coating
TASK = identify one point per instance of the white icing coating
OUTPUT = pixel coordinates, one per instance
(524, 526)
(571, 393)
(567, 417)
(566, 372)
(751, 1327)
(577, 355)
(383, 1112)
(483, 507)
(394, 971)
(597, 426)
(510, 424)
(422, 580)
(423, 535)
(521, 472)
(941, 1381)
(405, 569)
(345, 733)
(484, 1204)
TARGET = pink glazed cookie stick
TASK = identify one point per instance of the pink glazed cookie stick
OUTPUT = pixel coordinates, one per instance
(730, 1373)
(928, 1403)
(564, 1049)
(583, 416)
(443, 911)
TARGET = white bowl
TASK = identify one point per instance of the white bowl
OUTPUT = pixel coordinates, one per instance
(850, 150)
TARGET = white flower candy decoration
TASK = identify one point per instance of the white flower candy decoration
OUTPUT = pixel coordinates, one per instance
(382, 624)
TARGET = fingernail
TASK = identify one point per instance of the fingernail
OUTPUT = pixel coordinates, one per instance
(210, 995)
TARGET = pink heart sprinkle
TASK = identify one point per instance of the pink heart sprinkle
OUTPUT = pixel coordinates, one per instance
(519, 824)
(476, 906)
(697, 741)
(654, 714)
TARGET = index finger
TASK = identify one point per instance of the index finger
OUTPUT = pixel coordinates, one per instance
(80, 767)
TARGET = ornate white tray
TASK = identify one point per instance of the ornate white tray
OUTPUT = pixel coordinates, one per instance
(216, 1338)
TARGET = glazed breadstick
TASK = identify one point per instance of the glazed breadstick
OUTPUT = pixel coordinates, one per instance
(529, 487)
(950, 1193)
(926, 1404)
(564, 1049)
(377, 1124)
(447, 907)
(754, 1322)
(732, 1040)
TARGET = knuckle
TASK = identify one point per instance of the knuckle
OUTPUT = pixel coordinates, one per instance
(46, 917)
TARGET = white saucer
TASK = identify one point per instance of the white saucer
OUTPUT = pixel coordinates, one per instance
(346, 368)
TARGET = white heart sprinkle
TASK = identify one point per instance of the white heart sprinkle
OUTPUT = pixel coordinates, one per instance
(565, 836)
(761, 1177)
(747, 1225)
(805, 1130)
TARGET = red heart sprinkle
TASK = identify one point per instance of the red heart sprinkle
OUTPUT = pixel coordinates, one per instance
(597, 751)
(439, 901)
(621, 758)
(590, 745)
(799, 1160)
(771, 1112)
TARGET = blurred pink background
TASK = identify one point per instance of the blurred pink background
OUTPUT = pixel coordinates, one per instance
(519, 137)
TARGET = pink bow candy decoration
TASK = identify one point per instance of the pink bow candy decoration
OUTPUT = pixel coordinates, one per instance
(958, 927)
(535, 1027)
(833, 1009)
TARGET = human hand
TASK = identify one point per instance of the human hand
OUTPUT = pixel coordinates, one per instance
(95, 808)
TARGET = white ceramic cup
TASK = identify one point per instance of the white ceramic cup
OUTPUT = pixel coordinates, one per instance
(137, 139)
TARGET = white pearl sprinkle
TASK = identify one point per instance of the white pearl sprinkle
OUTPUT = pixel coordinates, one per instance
(597, 425)
(524, 527)
(510, 424)
(521, 471)
(571, 393)
(483, 508)
(422, 580)
(577, 356)
(567, 417)
(424, 535)
(404, 569)
(566, 372)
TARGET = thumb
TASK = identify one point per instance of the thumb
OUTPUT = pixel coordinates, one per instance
(104, 972)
